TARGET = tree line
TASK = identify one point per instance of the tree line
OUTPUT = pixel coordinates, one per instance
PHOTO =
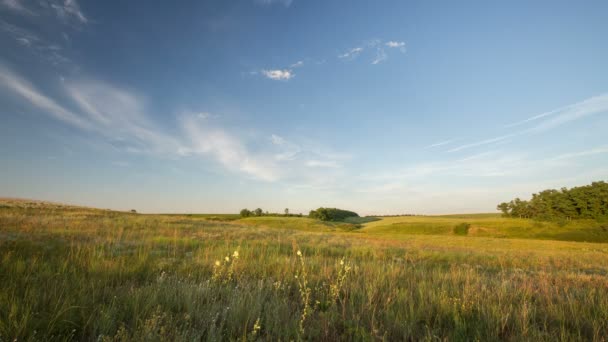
(260, 212)
(583, 202)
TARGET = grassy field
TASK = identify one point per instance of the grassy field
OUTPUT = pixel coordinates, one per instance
(490, 225)
(71, 273)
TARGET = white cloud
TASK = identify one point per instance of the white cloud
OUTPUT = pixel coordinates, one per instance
(279, 75)
(551, 119)
(393, 44)
(352, 53)
(441, 143)
(69, 9)
(380, 56)
(120, 118)
(591, 152)
(322, 163)
(589, 106)
(277, 140)
(29, 93)
(64, 10)
(285, 3)
(483, 142)
(228, 150)
(396, 45)
(16, 6)
(287, 149)
(297, 64)
(49, 52)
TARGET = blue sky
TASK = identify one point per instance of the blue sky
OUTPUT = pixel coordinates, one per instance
(380, 107)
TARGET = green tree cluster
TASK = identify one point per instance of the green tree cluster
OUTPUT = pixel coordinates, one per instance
(331, 214)
(260, 212)
(583, 202)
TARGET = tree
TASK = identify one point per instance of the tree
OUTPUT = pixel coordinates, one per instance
(583, 202)
(258, 212)
(245, 213)
(504, 207)
(286, 211)
(331, 214)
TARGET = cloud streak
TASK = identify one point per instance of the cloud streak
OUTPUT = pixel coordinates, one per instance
(352, 53)
(120, 118)
(278, 74)
(549, 120)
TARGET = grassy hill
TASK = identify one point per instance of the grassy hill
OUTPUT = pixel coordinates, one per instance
(297, 223)
(74, 273)
(489, 225)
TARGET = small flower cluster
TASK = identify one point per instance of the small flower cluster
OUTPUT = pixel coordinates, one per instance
(225, 271)
(305, 291)
(336, 287)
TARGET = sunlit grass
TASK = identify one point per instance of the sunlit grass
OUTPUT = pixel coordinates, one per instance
(489, 225)
(96, 275)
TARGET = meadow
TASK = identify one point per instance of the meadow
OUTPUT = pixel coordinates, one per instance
(72, 273)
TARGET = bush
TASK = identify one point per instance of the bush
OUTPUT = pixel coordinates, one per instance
(462, 229)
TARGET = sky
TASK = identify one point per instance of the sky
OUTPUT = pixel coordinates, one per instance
(381, 107)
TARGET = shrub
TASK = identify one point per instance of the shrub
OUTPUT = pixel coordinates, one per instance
(462, 229)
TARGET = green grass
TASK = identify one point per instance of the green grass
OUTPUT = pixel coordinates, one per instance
(83, 274)
(489, 225)
(297, 223)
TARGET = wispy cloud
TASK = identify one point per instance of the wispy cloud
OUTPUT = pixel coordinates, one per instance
(549, 120)
(285, 3)
(352, 53)
(278, 74)
(373, 45)
(69, 9)
(393, 44)
(287, 149)
(64, 10)
(396, 45)
(380, 56)
(323, 163)
(440, 143)
(591, 152)
(483, 142)
(297, 64)
(227, 149)
(28, 92)
(120, 118)
(589, 106)
(16, 6)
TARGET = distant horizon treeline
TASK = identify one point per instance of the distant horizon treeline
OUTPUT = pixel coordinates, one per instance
(583, 202)
(259, 212)
(331, 214)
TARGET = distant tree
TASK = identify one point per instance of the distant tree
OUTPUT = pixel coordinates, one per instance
(134, 211)
(286, 211)
(245, 213)
(258, 212)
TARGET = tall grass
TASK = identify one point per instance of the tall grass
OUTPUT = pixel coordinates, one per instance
(94, 275)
